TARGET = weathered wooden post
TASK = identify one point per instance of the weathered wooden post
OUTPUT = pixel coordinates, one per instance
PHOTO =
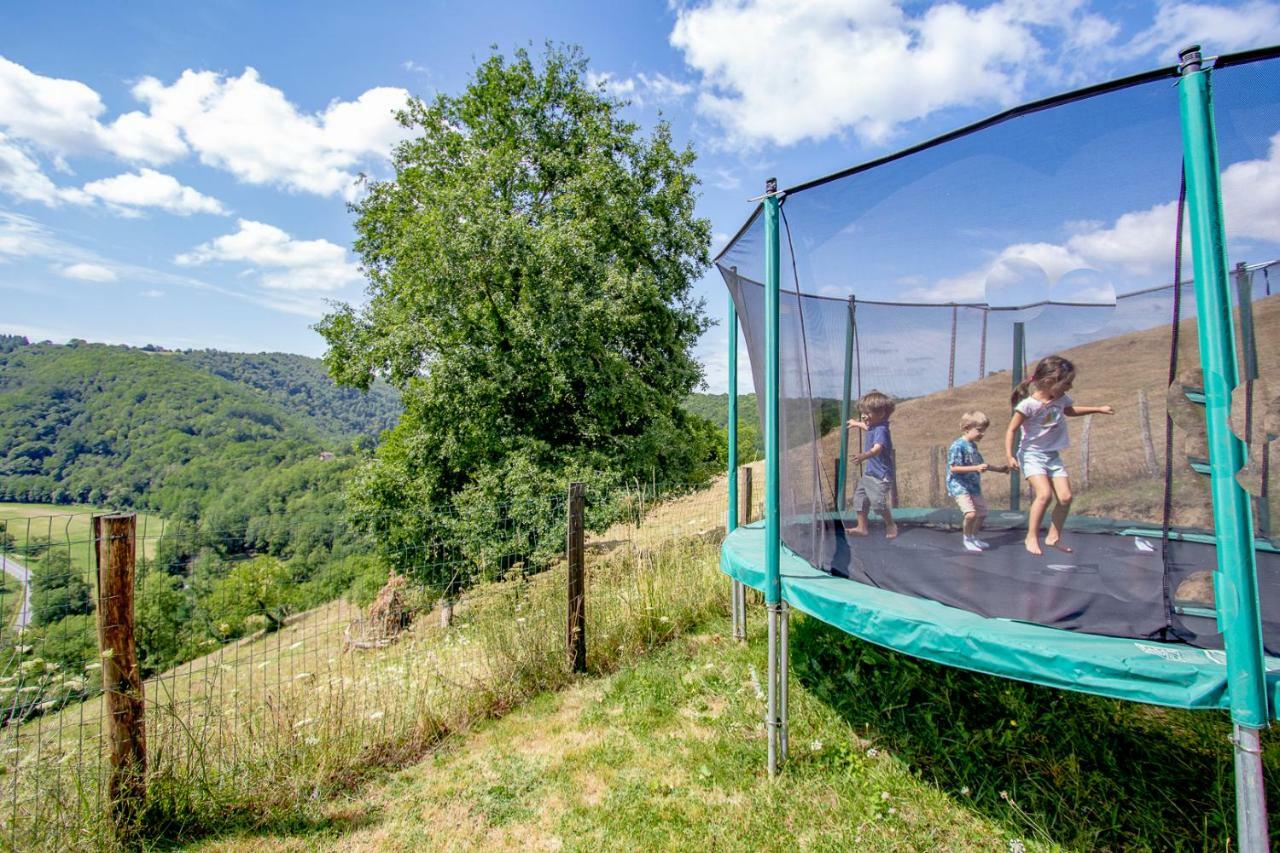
(576, 637)
(1084, 452)
(115, 540)
(1144, 426)
(951, 364)
(747, 497)
(935, 492)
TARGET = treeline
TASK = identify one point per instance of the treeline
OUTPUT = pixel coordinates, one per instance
(122, 427)
(300, 386)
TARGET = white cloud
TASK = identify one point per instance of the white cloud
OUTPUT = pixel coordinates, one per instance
(783, 73)
(1218, 28)
(149, 188)
(641, 89)
(152, 294)
(22, 178)
(252, 130)
(286, 263)
(239, 124)
(87, 272)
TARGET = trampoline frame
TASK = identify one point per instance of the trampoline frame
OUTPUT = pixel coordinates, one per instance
(1237, 680)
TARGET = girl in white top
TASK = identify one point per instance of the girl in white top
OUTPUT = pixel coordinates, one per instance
(1041, 406)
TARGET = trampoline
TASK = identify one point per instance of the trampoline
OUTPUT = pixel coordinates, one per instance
(940, 276)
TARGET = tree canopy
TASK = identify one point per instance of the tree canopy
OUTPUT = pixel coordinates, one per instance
(530, 268)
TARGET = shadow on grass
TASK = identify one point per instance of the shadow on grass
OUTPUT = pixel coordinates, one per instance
(1058, 766)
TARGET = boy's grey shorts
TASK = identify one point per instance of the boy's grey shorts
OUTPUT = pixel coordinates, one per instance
(873, 492)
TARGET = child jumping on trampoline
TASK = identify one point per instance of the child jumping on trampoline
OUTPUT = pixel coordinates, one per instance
(964, 477)
(1040, 406)
(875, 485)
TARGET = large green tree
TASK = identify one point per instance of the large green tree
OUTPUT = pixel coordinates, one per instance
(530, 268)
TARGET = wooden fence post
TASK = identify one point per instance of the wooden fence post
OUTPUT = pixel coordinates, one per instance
(576, 636)
(1144, 424)
(115, 552)
(745, 491)
(935, 488)
(1084, 452)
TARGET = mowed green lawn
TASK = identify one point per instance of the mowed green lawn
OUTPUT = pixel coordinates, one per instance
(69, 527)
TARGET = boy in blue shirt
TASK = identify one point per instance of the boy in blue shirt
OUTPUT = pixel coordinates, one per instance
(875, 485)
(965, 467)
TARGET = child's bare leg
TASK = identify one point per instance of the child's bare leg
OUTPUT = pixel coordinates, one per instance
(970, 524)
(1062, 491)
(890, 526)
(1035, 516)
(861, 528)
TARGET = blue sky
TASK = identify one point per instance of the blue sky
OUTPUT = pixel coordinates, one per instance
(178, 175)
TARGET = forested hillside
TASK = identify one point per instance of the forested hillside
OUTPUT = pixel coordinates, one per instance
(301, 387)
(118, 426)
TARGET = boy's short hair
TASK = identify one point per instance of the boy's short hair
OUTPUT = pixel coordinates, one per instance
(974, 420)
(876, 402)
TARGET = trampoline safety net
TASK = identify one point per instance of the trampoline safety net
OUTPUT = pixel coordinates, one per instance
(942, 275)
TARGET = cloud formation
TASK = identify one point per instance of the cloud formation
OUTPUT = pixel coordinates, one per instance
(87, 272)
(148, 188)
(253, 131)
(286, 264)
(238, 124)
(783, 73)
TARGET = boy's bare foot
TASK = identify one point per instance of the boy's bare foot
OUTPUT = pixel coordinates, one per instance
(1059, 544)
(855, 531)
(891, 531)
(1033, 547)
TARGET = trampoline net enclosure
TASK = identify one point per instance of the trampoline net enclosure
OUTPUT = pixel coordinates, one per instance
(939, 274)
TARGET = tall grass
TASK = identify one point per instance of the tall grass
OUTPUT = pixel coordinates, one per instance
(249, 737)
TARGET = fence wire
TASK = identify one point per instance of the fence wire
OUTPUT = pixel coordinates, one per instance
(275, 671)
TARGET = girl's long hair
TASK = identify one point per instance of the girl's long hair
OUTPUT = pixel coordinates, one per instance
(1050, 371)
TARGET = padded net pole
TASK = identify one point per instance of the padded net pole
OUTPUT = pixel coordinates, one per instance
(1235, 582)
(842, 475)
(772, 470)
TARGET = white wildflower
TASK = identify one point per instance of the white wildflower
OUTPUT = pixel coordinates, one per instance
(964, 792)
(1016, 846)
(377, 715)
(872, 752)
(311, 741)
(816, 746)
(884, 795)
(892, 810)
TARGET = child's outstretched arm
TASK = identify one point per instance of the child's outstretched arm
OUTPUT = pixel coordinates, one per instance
(1077, 411)
(1015, 423)
(857, 423)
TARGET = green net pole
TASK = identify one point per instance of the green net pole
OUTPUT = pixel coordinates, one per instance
(1236, 581)
(773, 448)
(841, 472)
(1019, 359)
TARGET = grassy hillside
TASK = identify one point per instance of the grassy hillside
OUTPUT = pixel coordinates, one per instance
(887, 753)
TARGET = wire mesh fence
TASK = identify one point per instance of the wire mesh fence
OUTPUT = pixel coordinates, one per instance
(269, 676)
(275, 676)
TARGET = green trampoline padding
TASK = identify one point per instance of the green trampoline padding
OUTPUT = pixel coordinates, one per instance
(1172, 674)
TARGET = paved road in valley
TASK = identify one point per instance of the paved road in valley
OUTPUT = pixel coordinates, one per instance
(20, 572)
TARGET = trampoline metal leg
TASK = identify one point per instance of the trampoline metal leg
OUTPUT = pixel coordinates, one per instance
(784, 667)
(739, 610)
(1251, 798)
(771, 710)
